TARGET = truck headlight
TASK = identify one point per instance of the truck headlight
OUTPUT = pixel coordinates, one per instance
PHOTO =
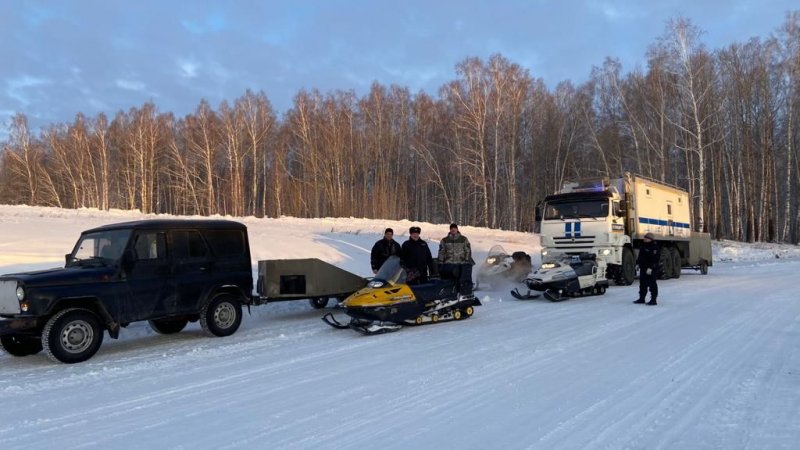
(605, 252)
(376, 284)
(544, 252)
(20, 293)
(491, 260)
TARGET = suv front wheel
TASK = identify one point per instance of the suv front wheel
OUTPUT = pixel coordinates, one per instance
(72, 336)
(221, 316)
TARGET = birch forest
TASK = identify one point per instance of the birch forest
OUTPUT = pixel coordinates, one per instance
(723, 124)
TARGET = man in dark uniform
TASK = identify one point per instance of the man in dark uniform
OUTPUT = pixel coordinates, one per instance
(383, 249)
(416, 258)
(649, 261)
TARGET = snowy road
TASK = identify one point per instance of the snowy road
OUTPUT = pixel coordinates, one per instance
(715, 365)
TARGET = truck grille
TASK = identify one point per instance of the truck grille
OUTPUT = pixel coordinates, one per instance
(573, 243)
(8, 298)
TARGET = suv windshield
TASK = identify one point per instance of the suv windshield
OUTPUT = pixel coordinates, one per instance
(576, 209)
(104, 247)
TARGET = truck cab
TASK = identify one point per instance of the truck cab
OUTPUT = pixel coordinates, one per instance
(167, 272)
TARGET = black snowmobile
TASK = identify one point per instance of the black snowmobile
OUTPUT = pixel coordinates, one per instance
(570, 276)
(388, 303)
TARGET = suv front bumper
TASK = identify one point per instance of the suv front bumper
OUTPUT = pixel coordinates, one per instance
(17, 325)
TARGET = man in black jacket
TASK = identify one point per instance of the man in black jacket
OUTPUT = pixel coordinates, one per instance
(383, 249)
(416, 258)
(649, 261)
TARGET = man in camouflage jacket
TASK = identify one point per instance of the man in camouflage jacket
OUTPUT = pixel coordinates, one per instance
(455, 259)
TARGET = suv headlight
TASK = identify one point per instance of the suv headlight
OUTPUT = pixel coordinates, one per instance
(20, 293)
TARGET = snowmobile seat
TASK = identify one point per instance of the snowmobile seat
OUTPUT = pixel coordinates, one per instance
(583, 268)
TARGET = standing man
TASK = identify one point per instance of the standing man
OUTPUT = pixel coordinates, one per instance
(648, 261)
(455, 256)
(416, 258)
(383, 249)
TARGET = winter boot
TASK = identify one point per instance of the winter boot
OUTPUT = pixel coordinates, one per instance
(640, 301)
(652, 302)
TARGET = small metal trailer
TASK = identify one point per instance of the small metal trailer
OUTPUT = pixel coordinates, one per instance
(298, 279)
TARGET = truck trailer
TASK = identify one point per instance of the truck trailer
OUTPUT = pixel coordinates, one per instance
(609, 218)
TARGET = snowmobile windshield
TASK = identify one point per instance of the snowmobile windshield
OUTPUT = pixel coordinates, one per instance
(576, 209)
(103, 247)
(391, 271)
(497, 250)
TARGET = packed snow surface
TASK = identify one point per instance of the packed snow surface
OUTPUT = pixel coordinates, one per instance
(715, 365)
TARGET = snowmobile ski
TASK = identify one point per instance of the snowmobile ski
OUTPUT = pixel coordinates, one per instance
(554, 295)
(331, 320)
(375, 328)
(527, 296)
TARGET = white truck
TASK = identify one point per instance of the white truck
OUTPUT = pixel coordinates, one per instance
(609, 217)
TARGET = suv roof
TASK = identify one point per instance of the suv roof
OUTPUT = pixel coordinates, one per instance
(172, 224)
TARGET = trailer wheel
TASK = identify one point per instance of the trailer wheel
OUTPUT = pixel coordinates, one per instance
(221, 316)
(628, 273)
(704, 267)
(318, 302)
(16, 345)
(168, 326)
(71, 336)
(676, 263)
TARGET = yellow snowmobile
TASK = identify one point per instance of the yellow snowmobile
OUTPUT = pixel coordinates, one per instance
(388, 303)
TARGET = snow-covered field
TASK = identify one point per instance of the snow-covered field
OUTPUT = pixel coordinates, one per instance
(715, 365)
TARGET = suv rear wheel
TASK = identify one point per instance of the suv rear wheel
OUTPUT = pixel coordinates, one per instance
(221, 316)
(72, 336)
(16, 345)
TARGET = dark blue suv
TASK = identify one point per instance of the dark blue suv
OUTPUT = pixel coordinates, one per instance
(168, 272)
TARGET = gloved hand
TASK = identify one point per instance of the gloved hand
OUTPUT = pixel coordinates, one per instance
(649, 271)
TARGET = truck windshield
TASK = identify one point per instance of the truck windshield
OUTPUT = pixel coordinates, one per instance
(103, 247)
(575, 209)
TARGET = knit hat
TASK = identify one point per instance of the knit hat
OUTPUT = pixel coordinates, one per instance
(453, 225)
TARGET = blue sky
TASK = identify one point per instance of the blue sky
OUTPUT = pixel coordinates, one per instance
(59, 58)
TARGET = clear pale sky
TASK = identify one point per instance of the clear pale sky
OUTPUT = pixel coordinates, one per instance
(58, 58)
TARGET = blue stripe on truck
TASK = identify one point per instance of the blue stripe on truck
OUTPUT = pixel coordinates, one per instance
(647, 220)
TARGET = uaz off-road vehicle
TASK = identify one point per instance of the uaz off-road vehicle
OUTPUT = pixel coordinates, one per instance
(168, 272)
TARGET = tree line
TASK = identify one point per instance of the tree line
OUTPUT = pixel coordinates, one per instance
(722, 124)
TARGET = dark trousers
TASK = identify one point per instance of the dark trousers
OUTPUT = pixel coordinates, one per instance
(647, 282)
(462, 273)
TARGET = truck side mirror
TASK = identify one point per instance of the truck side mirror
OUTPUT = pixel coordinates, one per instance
(623, 208)
(67, 259)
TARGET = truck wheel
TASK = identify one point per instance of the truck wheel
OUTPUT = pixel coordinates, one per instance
(628, 268)
(318, 302)
(666, 263)
(16, 345)
(72, 336)
(676, 263)
(221, 316)
(168, 326)
(704, 267)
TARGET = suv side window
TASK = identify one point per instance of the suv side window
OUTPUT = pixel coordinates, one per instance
(188, 245)
(150, 246)
(226, 243)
